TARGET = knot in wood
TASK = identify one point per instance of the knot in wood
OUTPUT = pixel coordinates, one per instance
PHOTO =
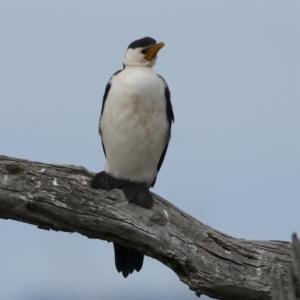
(158, 218)
(14, 168)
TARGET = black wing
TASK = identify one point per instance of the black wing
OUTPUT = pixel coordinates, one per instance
(107, 88)
(170, 117)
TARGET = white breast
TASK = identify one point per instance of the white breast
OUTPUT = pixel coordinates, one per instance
(134, 124)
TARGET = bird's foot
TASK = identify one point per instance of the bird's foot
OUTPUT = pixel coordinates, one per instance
(104, 181)
(138, 194)
(143, 198)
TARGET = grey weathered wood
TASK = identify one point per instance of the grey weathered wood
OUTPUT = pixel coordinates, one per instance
(58, 197)
(293, 277)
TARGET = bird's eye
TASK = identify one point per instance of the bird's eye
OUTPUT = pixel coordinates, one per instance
(144, 51)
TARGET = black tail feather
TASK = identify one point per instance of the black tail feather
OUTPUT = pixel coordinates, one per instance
(127, 260)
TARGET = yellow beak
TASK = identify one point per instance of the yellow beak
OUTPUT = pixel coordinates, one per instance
(153, 50)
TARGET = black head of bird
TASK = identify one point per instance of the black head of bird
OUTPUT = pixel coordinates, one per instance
(142, 52)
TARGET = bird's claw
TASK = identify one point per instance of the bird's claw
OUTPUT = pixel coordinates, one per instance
(137, 193)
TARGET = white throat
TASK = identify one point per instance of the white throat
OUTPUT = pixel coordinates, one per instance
(134, 57)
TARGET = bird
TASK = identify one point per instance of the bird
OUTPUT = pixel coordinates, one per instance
(135, 128)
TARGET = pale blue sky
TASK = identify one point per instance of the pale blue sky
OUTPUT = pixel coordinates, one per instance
(233, 68)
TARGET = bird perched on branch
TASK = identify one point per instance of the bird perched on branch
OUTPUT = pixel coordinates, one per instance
(135, 128)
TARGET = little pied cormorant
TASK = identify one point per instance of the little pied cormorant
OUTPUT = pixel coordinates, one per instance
(135, 128)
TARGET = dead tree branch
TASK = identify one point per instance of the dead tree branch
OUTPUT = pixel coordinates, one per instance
(58, 197)
(293, 276)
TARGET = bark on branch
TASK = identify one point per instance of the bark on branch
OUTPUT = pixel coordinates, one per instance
(58, 197)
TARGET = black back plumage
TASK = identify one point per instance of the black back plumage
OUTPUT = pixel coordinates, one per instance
(171, 119)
